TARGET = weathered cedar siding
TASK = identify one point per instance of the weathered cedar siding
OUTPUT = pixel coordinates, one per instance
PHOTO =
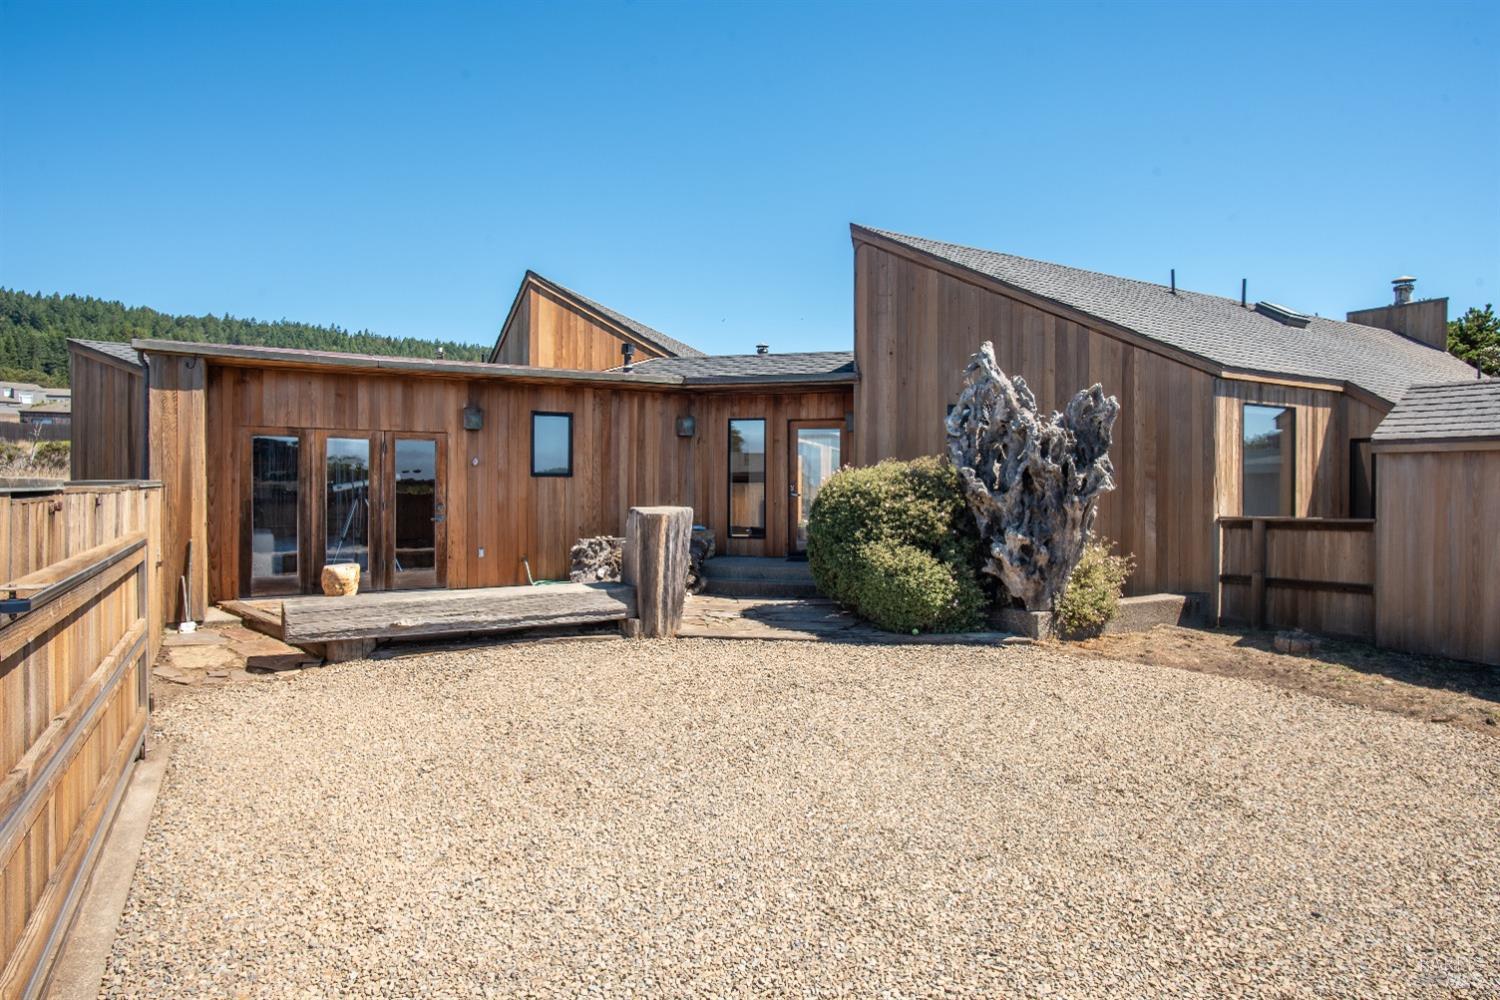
(109, 417)
(547, 331)
(626, 453)
(915, 328)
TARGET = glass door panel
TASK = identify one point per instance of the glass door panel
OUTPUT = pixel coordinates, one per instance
(346, 504)
(274, 503)
(418, 512)
(817, 453)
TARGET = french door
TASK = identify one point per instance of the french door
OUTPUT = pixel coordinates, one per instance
(317, 497)
(816, 449)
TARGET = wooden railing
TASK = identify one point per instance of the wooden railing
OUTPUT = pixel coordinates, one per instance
(1295, 572)
(78, 630)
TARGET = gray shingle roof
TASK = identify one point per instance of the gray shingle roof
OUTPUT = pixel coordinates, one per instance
(1217, 329)
(1455, 411)
(736, 367)
(654, 337)
(114, 348)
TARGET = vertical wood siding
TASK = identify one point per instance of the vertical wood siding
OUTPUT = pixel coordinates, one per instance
(549, 332)
(915, 328)
(1438, 581)
(109, 418)
(625, 453)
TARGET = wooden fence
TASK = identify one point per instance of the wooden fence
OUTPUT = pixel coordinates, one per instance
(1292, 572)
(80, 624)
(26, 433)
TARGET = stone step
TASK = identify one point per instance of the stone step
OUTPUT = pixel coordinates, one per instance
(754, 568)
(731, 587)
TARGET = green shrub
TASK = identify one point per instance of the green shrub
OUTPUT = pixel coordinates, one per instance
(1092, 596)
(896, 543)
(52, 452)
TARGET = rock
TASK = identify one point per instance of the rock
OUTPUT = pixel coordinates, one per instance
(1033, 482)
(1296, 642)
(341, 579)
(596, 560)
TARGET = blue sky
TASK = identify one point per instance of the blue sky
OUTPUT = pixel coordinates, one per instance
(398, 168)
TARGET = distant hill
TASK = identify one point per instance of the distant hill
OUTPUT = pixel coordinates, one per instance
(34, 330)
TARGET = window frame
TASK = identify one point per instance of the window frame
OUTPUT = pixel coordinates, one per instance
(747, 531)
(1288, 459)
(566, 474)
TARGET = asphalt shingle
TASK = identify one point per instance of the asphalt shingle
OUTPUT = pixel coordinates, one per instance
(1454, 411)
(811, 364)
(120, 350)
(1215, 328)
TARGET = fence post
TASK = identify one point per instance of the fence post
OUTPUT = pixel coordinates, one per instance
(1258, 573)
(655, 563)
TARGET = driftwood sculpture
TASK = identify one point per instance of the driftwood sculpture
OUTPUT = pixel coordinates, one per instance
(1032, 482)
(598, 559)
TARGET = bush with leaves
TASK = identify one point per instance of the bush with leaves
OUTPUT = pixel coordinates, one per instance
(1092, 595)
(896, 543)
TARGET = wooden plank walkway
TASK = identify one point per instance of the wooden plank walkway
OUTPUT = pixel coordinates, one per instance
(808, 619)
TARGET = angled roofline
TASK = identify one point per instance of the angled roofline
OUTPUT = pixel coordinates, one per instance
(88, 347)
(291, 357)
(669, 346)
(863, 234)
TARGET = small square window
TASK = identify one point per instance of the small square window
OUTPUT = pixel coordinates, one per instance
(551, 444)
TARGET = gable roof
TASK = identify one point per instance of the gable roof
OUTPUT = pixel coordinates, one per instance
(636, 329)
(830, 365)
(118, 350)
(1213, 328)
(1456, 411)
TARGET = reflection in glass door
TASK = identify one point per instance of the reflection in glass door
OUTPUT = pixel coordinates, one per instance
(274, 503)
(418, 512)
(346, 504)
(817, 450)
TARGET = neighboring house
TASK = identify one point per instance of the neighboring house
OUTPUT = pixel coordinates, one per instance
(52, 413)
(462, 474)
(16, 396)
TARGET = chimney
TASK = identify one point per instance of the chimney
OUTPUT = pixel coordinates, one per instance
(1422, 320)
(762, 348)
(627, 351)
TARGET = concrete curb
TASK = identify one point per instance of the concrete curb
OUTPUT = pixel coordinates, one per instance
(80, 966)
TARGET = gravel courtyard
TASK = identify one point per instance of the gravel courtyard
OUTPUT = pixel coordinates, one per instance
(716, 817)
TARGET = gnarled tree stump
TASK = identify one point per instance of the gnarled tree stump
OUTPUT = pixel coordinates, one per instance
(1032, 482)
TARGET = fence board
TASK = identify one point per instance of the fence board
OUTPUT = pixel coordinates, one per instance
(74, 697)
(1316, 574)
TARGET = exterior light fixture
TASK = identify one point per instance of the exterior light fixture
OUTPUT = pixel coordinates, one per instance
(686, 427)
(473, 418)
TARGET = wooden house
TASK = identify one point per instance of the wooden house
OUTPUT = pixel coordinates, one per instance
(465, 474)
(433, 473)
(1228, 407)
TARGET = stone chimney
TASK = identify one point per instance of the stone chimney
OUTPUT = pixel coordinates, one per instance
(1422, 320)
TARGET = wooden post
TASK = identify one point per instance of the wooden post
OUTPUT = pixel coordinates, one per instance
(655, 563)
(1258, 573)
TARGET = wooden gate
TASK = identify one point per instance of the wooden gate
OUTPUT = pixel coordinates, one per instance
(1298, 572)
(79, 626)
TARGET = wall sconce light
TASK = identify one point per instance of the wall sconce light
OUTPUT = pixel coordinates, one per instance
(473, 418)
(686, 427)
(849, 421)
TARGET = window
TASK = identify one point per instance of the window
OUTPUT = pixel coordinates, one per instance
(346, 501)
(747, 479)
(551, 444)
(274, 501)
(1268, 461)
(1361, 478)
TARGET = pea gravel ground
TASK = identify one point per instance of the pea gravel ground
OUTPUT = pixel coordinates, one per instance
(731, 818)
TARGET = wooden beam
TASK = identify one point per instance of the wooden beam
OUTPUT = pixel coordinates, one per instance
(655, 563)
(408, 614)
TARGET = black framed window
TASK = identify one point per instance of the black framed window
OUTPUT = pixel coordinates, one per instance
(1361, 478)
(1268, 461)
(551, 444)
(747, 478)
